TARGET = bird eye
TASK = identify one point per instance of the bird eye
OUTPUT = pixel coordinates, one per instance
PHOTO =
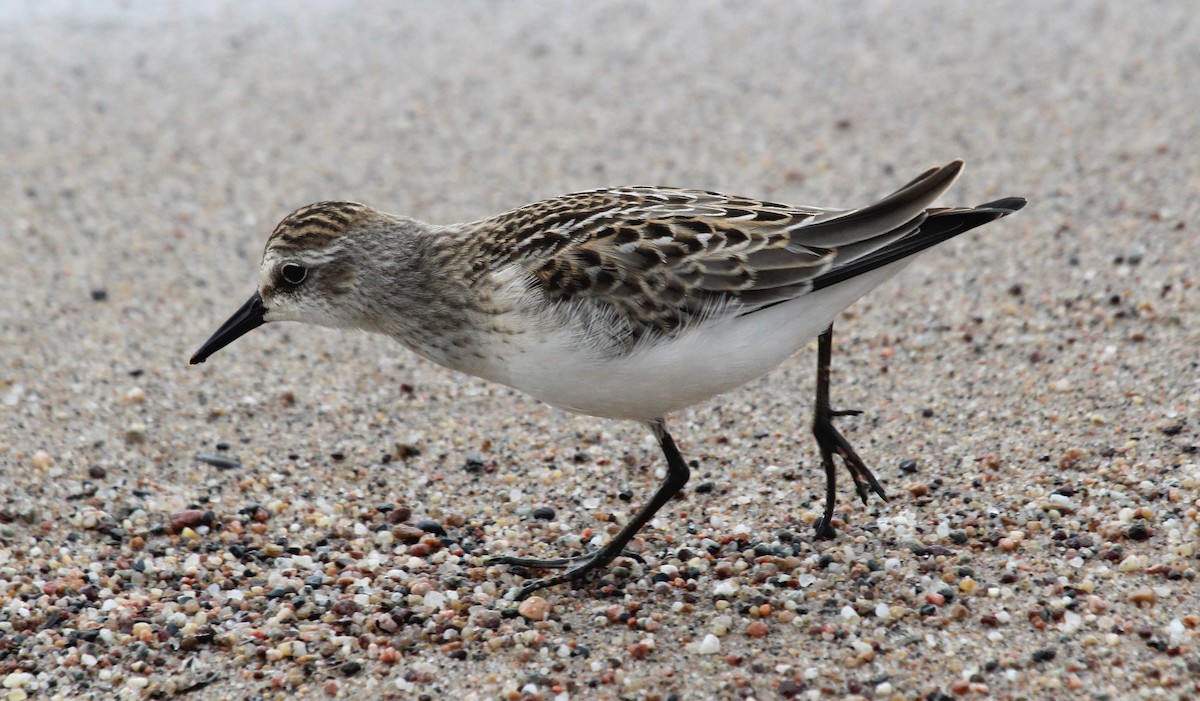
(293, 274)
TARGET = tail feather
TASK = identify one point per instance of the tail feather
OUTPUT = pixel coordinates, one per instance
(941, 225)
(888, 214)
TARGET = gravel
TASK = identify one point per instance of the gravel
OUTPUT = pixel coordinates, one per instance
(309, 514)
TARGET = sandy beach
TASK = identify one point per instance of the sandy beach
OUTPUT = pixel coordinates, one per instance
(307, 515)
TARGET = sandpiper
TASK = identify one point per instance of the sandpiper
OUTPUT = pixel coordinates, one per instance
(625, 303)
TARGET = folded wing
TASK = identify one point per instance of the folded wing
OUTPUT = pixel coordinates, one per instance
(640, 263)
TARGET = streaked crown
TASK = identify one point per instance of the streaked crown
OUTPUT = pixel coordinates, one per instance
(314, 227)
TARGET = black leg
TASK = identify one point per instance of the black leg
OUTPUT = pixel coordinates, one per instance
(581, 565)
(830, 441)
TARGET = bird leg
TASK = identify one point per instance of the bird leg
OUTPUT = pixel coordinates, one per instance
(831, 441)
(581, 565)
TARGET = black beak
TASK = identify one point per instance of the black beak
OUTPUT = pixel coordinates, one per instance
(244, 320)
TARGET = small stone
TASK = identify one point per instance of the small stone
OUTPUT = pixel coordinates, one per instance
(543, 513)
(404, 451)
(97, 472)
(534, 608)
(1139, 531)
(16, 680)
(399, 514)
(757, 629)
(99, 294)
(42, 460)
(219, 461)
(435, 600)
(711, 645)
(726, 589)
(188, 518)
(431, 527)
(407, 533)
(640, 650)
(1145, 595)
(485, 618)
(134, 396)
(908, 464)
(135, 434)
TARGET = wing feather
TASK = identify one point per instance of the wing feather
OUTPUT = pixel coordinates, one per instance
(646, 262)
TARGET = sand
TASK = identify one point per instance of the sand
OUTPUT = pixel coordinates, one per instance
(305, 516)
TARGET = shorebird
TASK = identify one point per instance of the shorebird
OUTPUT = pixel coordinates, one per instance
(625, 303)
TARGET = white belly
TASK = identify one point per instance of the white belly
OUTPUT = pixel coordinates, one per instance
(712, 358)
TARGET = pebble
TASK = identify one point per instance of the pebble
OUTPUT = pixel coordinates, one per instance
(16, 680)
(1145, 595)
(430, 526)
(1139, 531)
(406, 533)
(135, 434)
(189, 518)
(534, 608)
(641, 649)
(218, 461)
(726, 588)
(710, 645)
(435, 600)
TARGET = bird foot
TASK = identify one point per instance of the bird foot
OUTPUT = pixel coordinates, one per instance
(578, 567)
(831, 442)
